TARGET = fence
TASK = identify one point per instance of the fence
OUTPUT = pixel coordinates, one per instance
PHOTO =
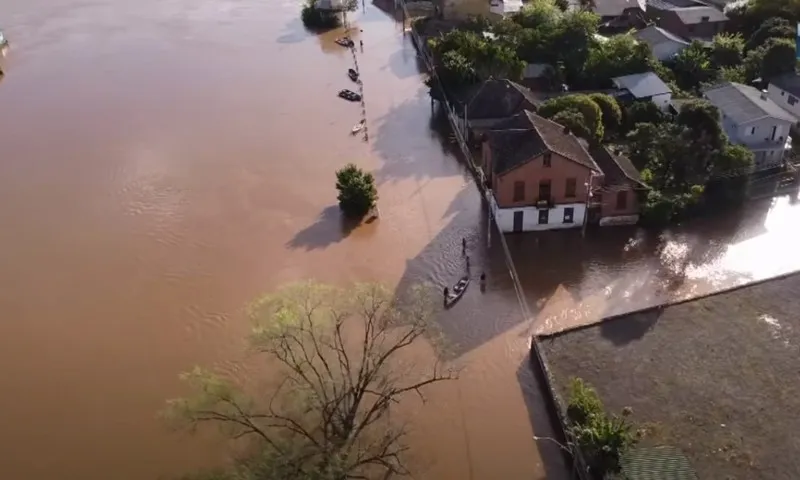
(538, 360)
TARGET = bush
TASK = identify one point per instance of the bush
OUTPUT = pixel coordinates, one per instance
(357, 192)
(602, 440)
(319, 19)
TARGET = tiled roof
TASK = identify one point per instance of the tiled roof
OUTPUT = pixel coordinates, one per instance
(500, 99)
(516, 140)
(743, 103)
(642, 85)
(789, 83)
(695, 15)
(654, 36)
(617, 169)
(671, 4)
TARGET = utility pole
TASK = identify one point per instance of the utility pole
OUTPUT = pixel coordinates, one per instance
(589, 195)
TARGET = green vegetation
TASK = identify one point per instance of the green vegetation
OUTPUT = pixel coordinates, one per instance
(579, 112)
(602, 439)
(317, 19)
(323, 410)
(357, 191)
(688, 163)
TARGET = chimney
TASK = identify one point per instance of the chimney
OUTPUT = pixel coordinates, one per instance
(566, 130)
(763, 94)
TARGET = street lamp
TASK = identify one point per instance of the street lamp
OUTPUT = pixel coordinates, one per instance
(553, 440)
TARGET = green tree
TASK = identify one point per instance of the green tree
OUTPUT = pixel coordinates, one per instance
(779, 57)
(736, 74)
(582, 104)
(573, 39)
(748, 17)
(773, 28)
(573, 120)
(538, 13)
(357, 191)
(620, 55)
(317, 19)
(692, 66)
(727, 50)
(474, 58)
(611, 113)
(701, 119)
(731, 167)
(335, 375)
(642, 112)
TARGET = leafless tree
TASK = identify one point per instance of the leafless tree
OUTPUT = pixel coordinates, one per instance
(338, 353)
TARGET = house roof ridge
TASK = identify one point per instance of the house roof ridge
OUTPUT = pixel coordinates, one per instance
(566, 134)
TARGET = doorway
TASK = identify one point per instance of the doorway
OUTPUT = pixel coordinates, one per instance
(518, 217)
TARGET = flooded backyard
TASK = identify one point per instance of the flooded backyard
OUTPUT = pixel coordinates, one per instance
(166, 161)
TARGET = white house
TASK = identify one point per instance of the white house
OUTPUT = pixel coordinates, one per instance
(752, 119)
(785, 91)
(663, 44)
(644, 86)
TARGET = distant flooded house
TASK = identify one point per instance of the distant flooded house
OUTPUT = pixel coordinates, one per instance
(617, 191)
(537, 173)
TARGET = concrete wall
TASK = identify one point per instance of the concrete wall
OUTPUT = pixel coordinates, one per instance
(504, 217)
(666, 50)
(662, 101)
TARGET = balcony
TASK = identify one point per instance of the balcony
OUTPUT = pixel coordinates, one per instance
(544, 202)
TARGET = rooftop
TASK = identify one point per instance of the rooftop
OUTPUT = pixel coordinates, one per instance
(743, 103)
(671, 4)
(642, 85)
(615, 8)
(655, 36)
(617, 168)
(499, 99)
(516, 140)
(695, 15)
(715, 377)
(789, 83)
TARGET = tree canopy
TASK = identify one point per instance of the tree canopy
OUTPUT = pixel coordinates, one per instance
(578, 106)
(326, 414)
(357, 191)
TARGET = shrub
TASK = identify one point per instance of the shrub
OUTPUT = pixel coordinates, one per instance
(317, 19)
(357, 192)
(602, 440)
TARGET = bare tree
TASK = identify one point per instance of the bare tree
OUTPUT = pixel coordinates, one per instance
(337, 351)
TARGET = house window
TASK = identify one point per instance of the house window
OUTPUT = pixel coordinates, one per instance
(690, 28)
(544, 190)
(519, 191)
(570, 190)
(792, 100)
(569, 212)
(703, 19)
(546, 159)
(544, 216)
(752, 131)
(622, 200)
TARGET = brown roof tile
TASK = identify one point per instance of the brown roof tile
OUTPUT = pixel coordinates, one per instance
(499, 99)
(617, 169)
(525, 135)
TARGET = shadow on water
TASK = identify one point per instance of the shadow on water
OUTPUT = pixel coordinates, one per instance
(405, 63)
(331, 227)
(402, 139)
(542, 416)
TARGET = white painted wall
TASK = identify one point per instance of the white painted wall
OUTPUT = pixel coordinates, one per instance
(504, 217)
(785, 100)
(760, 131)
(662, 100)
(619, 220)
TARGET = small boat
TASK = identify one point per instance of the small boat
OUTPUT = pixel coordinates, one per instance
(359, 126)
(457, 291)
(352, 74)
(345, 42)
(350, 95)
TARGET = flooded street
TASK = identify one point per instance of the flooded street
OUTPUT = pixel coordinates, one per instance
(164, 161)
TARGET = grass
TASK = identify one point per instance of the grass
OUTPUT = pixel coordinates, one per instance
(716, 377)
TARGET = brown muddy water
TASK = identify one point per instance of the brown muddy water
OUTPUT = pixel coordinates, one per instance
(164, 161)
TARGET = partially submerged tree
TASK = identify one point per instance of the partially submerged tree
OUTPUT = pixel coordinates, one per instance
(337, 352)
(357, 191)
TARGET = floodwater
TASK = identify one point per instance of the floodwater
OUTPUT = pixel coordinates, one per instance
(164, 161)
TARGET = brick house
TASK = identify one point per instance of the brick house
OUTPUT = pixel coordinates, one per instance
(538, 174)
(616, 193)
